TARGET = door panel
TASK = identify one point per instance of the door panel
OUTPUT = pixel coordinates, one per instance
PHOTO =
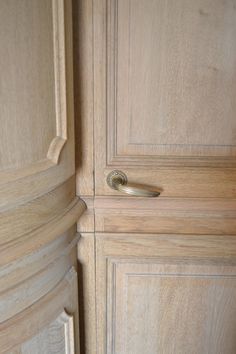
(156, 302)
(38, 205)
(166, 294)
(164, 93)
(57, 309)
(36, 98)
(163, 108)
(172, 78)
(58, 338)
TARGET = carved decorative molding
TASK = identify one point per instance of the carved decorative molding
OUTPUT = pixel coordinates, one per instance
(127, 151)
(59, 141)
(165, 283)
(45, 157)
(56, 338)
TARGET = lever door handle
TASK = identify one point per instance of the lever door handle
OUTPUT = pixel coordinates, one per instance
(118, 180)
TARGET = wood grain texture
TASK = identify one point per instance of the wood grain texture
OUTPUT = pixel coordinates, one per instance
(171, 76)
(28, 323)
(24, 282)
(38, 205)
(175, 291)
(49, 131)
(165, 303)
(159, 215)
(87, 294)
(190, 170)
(83, 89)
(36, 132)
(57, 338)
(87, 221)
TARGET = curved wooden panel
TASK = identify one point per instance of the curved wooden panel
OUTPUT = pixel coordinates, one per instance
(149, 286)
(57, 338)
(36, 98)
(32, 131)
(38, 205)
(30, 322)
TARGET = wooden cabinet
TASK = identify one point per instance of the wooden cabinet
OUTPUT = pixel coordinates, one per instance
(165, 293)
(154, 88)
(161, 76)
(164, 88)
(39, 208)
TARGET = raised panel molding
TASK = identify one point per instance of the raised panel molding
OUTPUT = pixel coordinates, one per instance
(60, 81)
(156, 301)
(57, 338)
(186, 263)
(56, 312)
(161, 288)
(37, 114)
(56, 97)
(121, 148)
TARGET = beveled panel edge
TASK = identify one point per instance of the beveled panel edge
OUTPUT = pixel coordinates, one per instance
(68, 323)
(20, 270)
(27, 217)
(168, 247)
(21, 294)
(213, 216)
(29, 322)
(59, 141)
(27, 234)
(43, 235)
(57, 144)
(114, 157)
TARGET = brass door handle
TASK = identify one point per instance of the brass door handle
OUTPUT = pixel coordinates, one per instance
(118, 180)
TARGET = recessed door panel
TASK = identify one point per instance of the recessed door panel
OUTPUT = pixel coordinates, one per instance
(165, 294)
(164, 97)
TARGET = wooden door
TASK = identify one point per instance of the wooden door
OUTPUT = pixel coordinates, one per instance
(39, 209)
(164, 86)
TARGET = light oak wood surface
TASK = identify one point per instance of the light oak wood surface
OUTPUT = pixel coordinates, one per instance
(169, 94)
(57, 338)
(83, 91)
(160, 76)
(39, 310)
(25, 325)
(87, 292)
(165, 293)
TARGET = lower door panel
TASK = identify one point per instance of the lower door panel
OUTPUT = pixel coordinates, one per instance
(166, 294)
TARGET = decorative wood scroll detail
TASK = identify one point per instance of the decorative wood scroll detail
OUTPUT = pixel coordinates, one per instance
(59, 141)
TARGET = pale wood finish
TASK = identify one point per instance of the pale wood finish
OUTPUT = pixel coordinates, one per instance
(87, 294)
(39, 151)
(173, 64)
(165, 293)
(87, 220)
(17, 106)
(162, 89)
(120, 32)
(44, 75)
(39, 208)
(83, 90)
(24, 326)
(162, 308)
(57, 338)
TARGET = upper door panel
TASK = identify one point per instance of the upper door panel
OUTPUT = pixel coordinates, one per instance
(36, 107)
(165, 87)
